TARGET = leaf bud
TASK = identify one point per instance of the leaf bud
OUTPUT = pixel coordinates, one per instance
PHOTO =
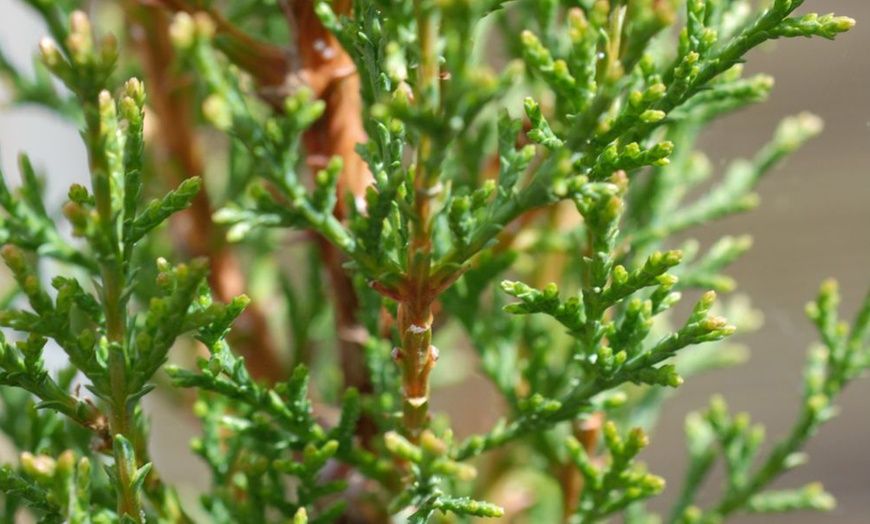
(182, 272)
(163, 266)
(480, 196)
(14, 258)
(609, 155)
(620, 275)
(401, 98)
(600, 11)
(637, 440)
(692, 515)
(560, 71)
(475, 444)
(708, 38)
(40, 467)
(668, 281)
(80, 23)
(655, 92)
(632, 150)
(107, 107)
(662, 149)
(394, 63)
(108, 50)
(620, 358)
(402, 448)
(669, 376)
(714, 323)
(647, 64)
(795, 131)
(613, 209)
(80, 40)
(817, 498)
(205, 26)
(698, 434)
(50, 54)
(672, 258)
(239, 303)
(755, 436)
(616, 399)
(605, 125)
(31, 285)
(611, 437)
(688, 66)
(182, 31)
(135, 89)
(130, 112)
(653, 484)
(794, 460)
(741, 422)
(551, 291)
(217, 112)
(578, 25)
(817, 403)
(838, 24)
(431, 444)
(651, 116)
(707, 300)
(467, 506)
(78, 194)
(531, 42)
(459, 471)
(165, 282)
(718, 412)
(66, 463)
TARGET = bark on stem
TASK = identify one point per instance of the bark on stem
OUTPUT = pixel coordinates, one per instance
(329, 71)
(417, 356)
(321, 63)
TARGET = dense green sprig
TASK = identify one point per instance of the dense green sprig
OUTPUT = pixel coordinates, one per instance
(431, 466)
(562, 166)
(271, 424)
(622, 482)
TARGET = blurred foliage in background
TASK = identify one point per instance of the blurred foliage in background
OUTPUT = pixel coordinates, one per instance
(393, 183)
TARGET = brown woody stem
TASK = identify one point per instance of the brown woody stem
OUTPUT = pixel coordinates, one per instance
(417, 355)
(329, 71)
(172, 100)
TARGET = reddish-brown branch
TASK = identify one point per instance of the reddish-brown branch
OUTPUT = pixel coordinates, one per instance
(322, 64)
(268, 63)
(329, 71)
(172, 101)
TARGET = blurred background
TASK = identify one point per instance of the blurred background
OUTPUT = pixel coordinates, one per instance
(814, 223)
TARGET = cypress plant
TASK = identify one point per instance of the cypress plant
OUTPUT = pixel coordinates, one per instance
(398, 184)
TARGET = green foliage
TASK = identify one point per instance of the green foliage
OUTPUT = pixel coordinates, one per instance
(621, 484)
(269, 423)
(562, 168)
(430, 466)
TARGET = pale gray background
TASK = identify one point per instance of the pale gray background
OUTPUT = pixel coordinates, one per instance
(812, 225)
